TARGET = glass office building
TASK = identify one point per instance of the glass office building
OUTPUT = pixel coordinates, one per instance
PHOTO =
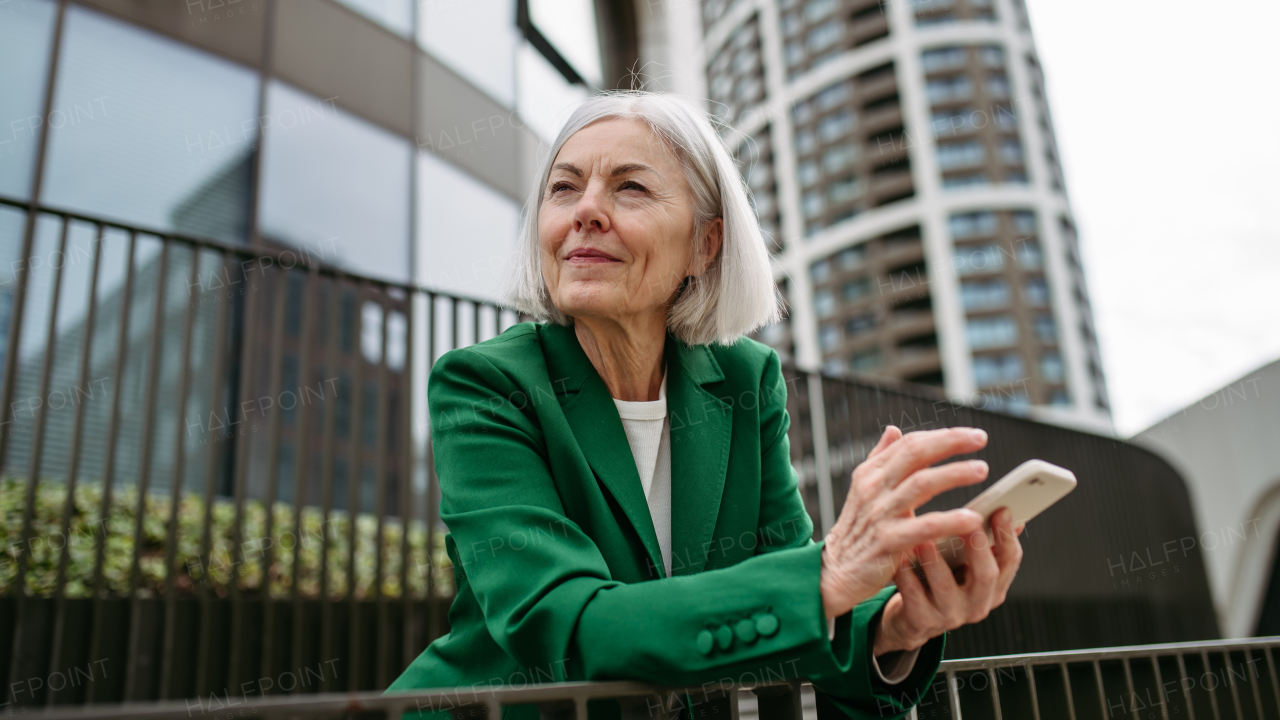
(391, 139)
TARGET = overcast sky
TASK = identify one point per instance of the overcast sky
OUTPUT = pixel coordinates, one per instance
(1168, 119)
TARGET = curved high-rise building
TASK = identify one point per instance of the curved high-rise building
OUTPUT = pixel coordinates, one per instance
(902, 160)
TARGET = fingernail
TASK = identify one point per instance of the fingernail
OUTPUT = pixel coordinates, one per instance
(980, 466)
(979, 434)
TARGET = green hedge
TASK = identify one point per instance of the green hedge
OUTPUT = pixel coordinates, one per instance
(189, 570)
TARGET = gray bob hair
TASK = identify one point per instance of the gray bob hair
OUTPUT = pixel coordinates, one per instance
(736, 295)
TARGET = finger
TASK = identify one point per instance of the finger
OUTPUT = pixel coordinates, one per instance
(903, 534)
(941, 581)
(923, 485)
(1008, 551)
(913, 590)
(891, 435)
(982, 576)
(918, 450)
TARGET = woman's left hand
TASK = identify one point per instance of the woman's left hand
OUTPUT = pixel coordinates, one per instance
(920, 611)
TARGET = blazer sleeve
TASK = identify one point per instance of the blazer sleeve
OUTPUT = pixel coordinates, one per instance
(546, 593)
(851, 684)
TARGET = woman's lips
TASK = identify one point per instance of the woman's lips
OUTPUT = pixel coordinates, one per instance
(588, 256)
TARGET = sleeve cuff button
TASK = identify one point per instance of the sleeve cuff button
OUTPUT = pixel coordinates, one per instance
(724, 637)
(766, 624)
(746, 631)
(705, 642)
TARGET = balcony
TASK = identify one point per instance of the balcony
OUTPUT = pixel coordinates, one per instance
(197, 558)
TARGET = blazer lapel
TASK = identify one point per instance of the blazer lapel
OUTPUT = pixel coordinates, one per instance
(595, 423)
(701, 428)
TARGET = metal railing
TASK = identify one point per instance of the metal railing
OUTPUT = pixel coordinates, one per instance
(1222, 680)
(215, 468)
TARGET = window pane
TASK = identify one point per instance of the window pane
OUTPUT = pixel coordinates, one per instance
(162, 133)
(395, 15)
(448, 203)
(26, 33)
(336, 185)
(545, 98)
(448, 30)
(570, 25)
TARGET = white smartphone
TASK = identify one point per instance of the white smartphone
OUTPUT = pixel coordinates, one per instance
(1027, 491)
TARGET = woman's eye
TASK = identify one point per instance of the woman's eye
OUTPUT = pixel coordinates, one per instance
(632, 185)
(560, 186)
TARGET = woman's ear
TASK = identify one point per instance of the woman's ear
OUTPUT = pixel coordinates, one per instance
(712, 241)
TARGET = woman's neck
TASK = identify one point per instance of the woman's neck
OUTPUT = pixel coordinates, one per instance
(628, 356)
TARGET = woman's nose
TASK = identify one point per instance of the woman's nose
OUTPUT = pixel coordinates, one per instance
(591, 212)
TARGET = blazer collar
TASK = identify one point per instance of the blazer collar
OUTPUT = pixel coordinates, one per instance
(701, 426)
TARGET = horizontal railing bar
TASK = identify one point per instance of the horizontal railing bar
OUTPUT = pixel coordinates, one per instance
(1116, 653)
(244, 250)
(301, 705)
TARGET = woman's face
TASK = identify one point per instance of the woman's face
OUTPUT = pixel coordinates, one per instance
(616, 224)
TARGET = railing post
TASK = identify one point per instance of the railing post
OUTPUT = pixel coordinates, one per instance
(821, 454)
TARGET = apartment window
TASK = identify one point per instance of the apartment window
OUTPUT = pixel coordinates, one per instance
(825, 35)
(820, 271)
(850, 258)
(1051, 367)
(802, 112)
(990, 332)
(395, 15)
(1046, 330)
(941, 90)
(1015, 177)
(991, 370)
(984, 295)
(992, 56)
(841, 156)
(866, 360)
(952, 122)
(1036, 292)
(830, 97)
(812, 204)
(1024, 222)
(816, 10)
(791, 24)
(844, 190)
(1060, 398)
(997, 86)
(1029, 254)
(829, 337)
(824, 303)
(855, 290)
(794, 53)
(1004, 118)
(952, 182)
(807, 172)
(836, 126)
(942, 59)
(859, 325)
(745, 60)
(805, 142)
(749, 89)
(967, 225)
(963, 154)
(1011, 152)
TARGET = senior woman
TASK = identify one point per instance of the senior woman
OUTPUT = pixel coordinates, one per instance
(617, 479)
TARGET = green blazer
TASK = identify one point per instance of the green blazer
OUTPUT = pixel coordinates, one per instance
(558, 571)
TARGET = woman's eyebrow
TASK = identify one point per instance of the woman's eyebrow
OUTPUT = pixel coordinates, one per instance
(633, 167)
(569, 168)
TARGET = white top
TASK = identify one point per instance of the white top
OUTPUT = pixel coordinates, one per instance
(649, 435)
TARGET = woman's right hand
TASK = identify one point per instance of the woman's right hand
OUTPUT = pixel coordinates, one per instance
(878, 524)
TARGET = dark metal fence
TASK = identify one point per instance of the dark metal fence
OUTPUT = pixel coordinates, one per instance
(1223, 680)
(215, 468)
